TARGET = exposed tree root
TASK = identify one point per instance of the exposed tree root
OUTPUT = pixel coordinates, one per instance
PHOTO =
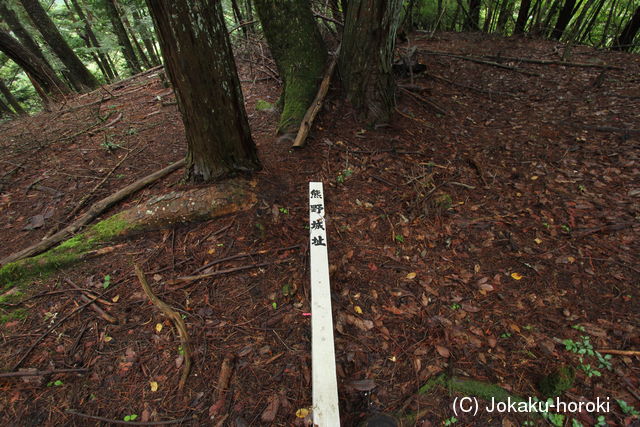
(161, 211)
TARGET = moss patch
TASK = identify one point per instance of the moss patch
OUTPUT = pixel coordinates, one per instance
(16, 314)
(557, 382)
(262, 105)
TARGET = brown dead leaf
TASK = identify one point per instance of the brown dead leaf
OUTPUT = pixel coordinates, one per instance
(470, 308)
(443, 351)
(362, 324)
(270, 412)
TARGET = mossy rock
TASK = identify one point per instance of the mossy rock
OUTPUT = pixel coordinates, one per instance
(262, 105)
(558, 381)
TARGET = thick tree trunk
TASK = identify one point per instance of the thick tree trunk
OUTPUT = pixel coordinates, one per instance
(471, 23)
(32, 65)
(625, 40)
(123, 40)
(11, 99)
(563, 19)
(12, 20)
(199, 61)
(80, 77)
(103, 62)
(299, 52)
(366, 56)
(523, 17)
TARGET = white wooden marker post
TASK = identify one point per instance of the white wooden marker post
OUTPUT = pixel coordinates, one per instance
(323, 360)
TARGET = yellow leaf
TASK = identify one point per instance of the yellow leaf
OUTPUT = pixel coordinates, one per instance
(514, 327)
(571, 259)
(516, 276)
(153, 385)
(211, 251)
(393, 359)
(116, 298)
(107, 338)
(411, 275)
(357, 309)
(158, 327)
(302, 413)
(537, 240)
(534, 177)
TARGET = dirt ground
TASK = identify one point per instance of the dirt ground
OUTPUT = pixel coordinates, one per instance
(471, 237)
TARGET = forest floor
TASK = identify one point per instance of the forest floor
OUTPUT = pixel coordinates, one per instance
(471, 243)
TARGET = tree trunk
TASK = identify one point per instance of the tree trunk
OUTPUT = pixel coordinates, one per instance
(147, 37)
(366, 56)
(133, 37)
(237, 15)
(12, 20)
(299, 52)
(473, 17)
(103, 62)
(123, 40)
(506, 10)
(625, 40)
(523, 17)
(32, 65)
(563, 19)
(80, 77)
(207, 88)
(11, 99)
(605, 31)
(5, 110)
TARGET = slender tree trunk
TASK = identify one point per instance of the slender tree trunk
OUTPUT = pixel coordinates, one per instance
(506, 10)
(625, 39)
(218, 136)
(11, 99)
(103, 62)
(563, 19)
(584, 33)
(123, 40)
(12, 20)
(523, 17)
(5, 111)
(366, 56)
(491, 8)
(299, 52)
(549, 17)
(80, 77)
(32, 65)
(147, 37)
(133, 37)
(237, 15)
(605, 31)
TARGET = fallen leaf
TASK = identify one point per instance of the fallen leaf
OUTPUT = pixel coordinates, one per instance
(514, 328)
(270, 412)
(363, 385)
(365, 325)
(516, 276)
(116, 298)
(470, 308)
(443, 351)
(158, 327)
(411, 275)
(153, 385)
(357, 309)
(302, 413)
(107, 338)
(537, 240)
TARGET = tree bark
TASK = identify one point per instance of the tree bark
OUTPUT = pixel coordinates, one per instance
(80, 76)
(625, 40)
(471, 23)
(523, 17)
(366, 56)
(299, 52)
(11, 99)
(32, 65)
(103, 61)
(123, 40)
(506, 10)
(563, 19)
(199, 62)
(12, 20)
(147, 37)
(5, 110)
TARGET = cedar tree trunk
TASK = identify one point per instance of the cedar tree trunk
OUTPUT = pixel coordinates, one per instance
(32, 65)
(11, 99)
(625, 40)
(563, 19)
(299, 52)
(523, 17)
(366, 56)
(123, 40)
(199, 61)
(80, 77)
(12, 20)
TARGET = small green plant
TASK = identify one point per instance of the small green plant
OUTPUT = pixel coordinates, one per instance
(565, 228)
(56, 383)
(589, 370)
(601, 421)
(506, 335)
(585, 348)
(108, 144)
(106, 282)
(546, 225)
(450, 421)
(120, 176)
(399, 238)
(286, 289)
(582, 188)
(628, 409)
(342, 176)
(576, 423)
(284, 211)
(579, 328)
(455, 306)
(132, 131)
(131, 417)
(274, 305)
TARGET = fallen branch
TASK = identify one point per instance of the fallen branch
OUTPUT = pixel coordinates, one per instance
(129, 423)
(312, 112)
(551, 62)
(93, 303)
(620, 352)
(34, 373)
(187, 279)
(425, 100)
(481, 61)
(177, 320)
(93, 212)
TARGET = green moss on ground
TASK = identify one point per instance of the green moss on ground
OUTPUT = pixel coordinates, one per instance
(15, 314)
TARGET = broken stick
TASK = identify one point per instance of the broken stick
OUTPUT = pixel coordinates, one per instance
(312, 112)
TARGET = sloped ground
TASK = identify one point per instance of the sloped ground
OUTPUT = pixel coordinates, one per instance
(471, 243)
